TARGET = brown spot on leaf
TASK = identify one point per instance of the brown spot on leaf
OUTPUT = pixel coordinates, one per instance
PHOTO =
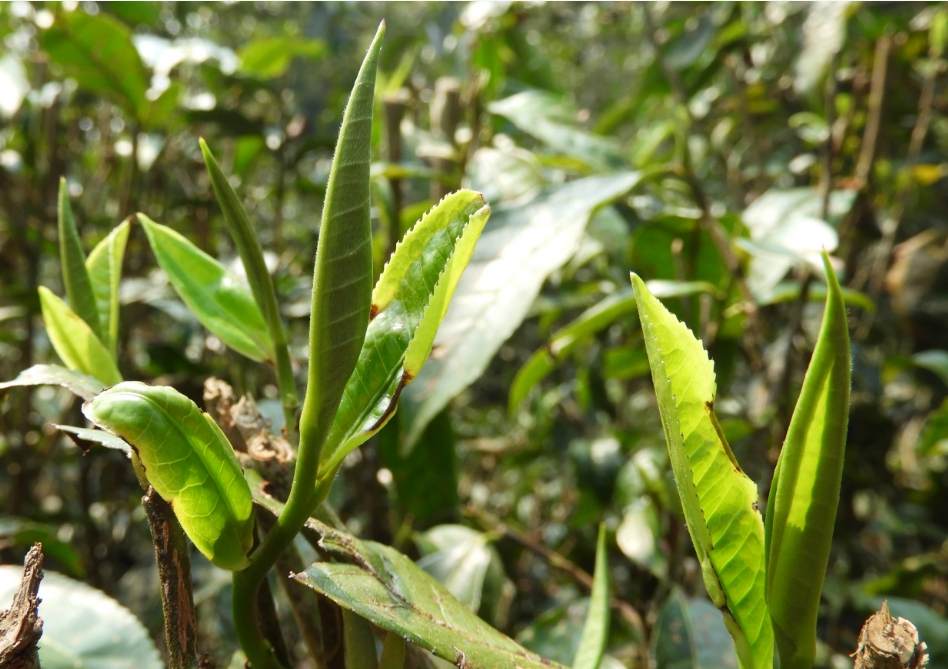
(393, 403)
(373, 312)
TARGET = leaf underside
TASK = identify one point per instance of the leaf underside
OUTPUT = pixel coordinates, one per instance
(805, 491)
(189, 462)
(80, 384)
(719, 501)
(408, 303)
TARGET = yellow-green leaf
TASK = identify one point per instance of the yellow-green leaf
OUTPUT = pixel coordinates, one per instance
(74, 341)
(596, 629)
(105, 271)
(73, 260)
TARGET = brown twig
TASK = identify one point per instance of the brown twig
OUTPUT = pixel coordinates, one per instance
(445, 116)
(174, 577)
(394, 106)
(20, 625)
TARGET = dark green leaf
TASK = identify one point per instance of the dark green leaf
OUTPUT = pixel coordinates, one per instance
(219, 301)
(360, 642)
(83, 385)
(25, 533)
(189, 462)
(690, 634)
(79, 292)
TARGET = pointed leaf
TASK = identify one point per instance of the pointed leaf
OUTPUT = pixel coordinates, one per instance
(74, 340)
(805, 491)
(342, 278)
(189, 462)
(360, 643)
(719, 500)
(80, 384)
(596, 630)
(216, 297)
(383, 586)
(73, 260)
(408, 303)
(393, 652)
(105, 271)
(84, 437)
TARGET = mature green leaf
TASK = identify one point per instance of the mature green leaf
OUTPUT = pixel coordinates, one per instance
(84, 437)
(82, 627)
(596, 630)
(80, 384)
(74, 340)
(189, 462)
(689, 634)
(24, 532)
(720, 502)
(788, 291)
(546, 117)
(382, 585)
(459, 558)
(564, 341)
(75, 275)
(88, 48)
(393, 652)
(216, 297)
(804, 495)
(408, 303)
(269, 57)
(105, 271)
(360, 642)
(342, 278)
(519, 248)
(935, 361)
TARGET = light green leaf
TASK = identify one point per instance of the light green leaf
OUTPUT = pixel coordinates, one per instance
(84, 628)
(393, 652)
(74, 340)
(382, 585)
(459, 559)
(720, 502)
(75, 275)
(342, 278)
(83, 385)
(269, 57)
(596, 629)
(518, 249)
(189, 462)
(565, 340)
(689, 634)
(408, 303)
(935, 361)
(805, 491)
(217, 298)
(360, 642)
(88, 47)
(637, 534)
(105, 271)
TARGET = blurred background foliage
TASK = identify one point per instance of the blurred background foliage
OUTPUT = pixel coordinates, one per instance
(713, 148)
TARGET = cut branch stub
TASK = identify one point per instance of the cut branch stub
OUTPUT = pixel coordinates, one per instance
(887, 642)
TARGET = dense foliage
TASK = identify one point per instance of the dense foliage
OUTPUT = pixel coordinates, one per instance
(715, 150)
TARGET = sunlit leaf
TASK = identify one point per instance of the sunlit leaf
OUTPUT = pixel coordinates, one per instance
(82, 627)
(269, 57)
(720, 502)
(105, 271)
(805, 491)
(83, 385)
(216, 297)
(596, 629)
(408, 303)
(519, 248)
(76, 279)
(459, 558)
(74, 340)
(189, 462)
(342, 277)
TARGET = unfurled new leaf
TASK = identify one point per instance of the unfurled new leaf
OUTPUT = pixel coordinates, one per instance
(105, 272)
(83, 385)
(342, 278)
(73, 260)
(408, 303)
(719, 501)
(74, 340)
(216, 297)
(804, 496)
(189, 462)
(596, 630)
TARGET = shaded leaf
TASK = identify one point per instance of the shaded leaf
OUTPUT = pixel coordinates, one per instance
(393, 652)
(360, 642)
(459, 558)
(84, 437)
(74, 340)
(596, 629)
(720, 502)
(637, 533)
(408, 303)
(804, 495)
(105, 271)
(518, 249)
(76, 278)
(935, 361)
(25, 533)
(216, 297)
(189, 462)
(83, 385)
(82, 627)
(88, 48)
(689, 634)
